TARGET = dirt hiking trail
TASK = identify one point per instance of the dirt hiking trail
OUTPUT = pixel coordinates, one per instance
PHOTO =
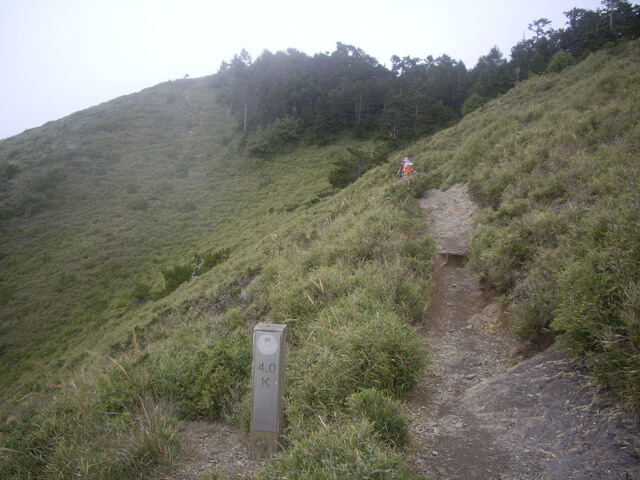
(468, 342)
(481, 410)
(475, 414)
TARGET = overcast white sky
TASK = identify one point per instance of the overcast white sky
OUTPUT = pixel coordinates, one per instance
(61, 56)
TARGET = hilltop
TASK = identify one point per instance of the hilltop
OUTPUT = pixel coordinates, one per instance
(104, 211)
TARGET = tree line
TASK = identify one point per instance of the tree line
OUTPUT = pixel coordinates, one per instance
(280, 97)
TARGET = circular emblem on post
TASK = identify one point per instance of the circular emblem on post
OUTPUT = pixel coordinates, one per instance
(267, 344)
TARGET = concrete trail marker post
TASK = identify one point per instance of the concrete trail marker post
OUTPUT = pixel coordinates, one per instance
(269, 354)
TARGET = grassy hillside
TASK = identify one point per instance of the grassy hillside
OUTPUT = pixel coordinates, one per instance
(96, 204)
(554, 163)
(336, 269)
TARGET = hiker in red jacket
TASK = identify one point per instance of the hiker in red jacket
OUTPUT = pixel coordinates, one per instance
(406, 168)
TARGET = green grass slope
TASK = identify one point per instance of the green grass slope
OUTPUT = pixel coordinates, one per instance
(93, 207)
(554, 163)
(335, 269)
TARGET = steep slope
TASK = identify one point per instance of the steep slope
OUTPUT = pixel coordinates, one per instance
(93, 200)
(552, 164)
(554, 167)
(526, 157)
(96, 204)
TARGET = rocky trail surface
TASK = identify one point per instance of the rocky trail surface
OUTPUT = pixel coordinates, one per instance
(481, 411)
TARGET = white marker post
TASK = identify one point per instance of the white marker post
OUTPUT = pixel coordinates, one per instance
(269, 348)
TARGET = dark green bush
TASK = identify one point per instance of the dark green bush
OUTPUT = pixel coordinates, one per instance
(8, 171)
(174, 277)
(210, 260)
(205, 380)
(141, 292)
(179, 274)
(275, 137)
(341, 176)
(348, 170)
(473, 102)
(560, 61)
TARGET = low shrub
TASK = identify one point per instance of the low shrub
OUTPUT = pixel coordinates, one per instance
(349, 169)
(560, 61)
(8, 171)
(533, 301)
(384, 414)
(179, 274)
(174, 277)
(499, 254)
(341, 450)
(141, 292)
(119, 432)
(209, 260)
(342, 175)
(347, 353)
(204, 377)
(473, 102)
(599, 295)
(386, 354)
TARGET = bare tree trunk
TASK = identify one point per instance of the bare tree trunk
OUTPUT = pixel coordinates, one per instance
(245, 117)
